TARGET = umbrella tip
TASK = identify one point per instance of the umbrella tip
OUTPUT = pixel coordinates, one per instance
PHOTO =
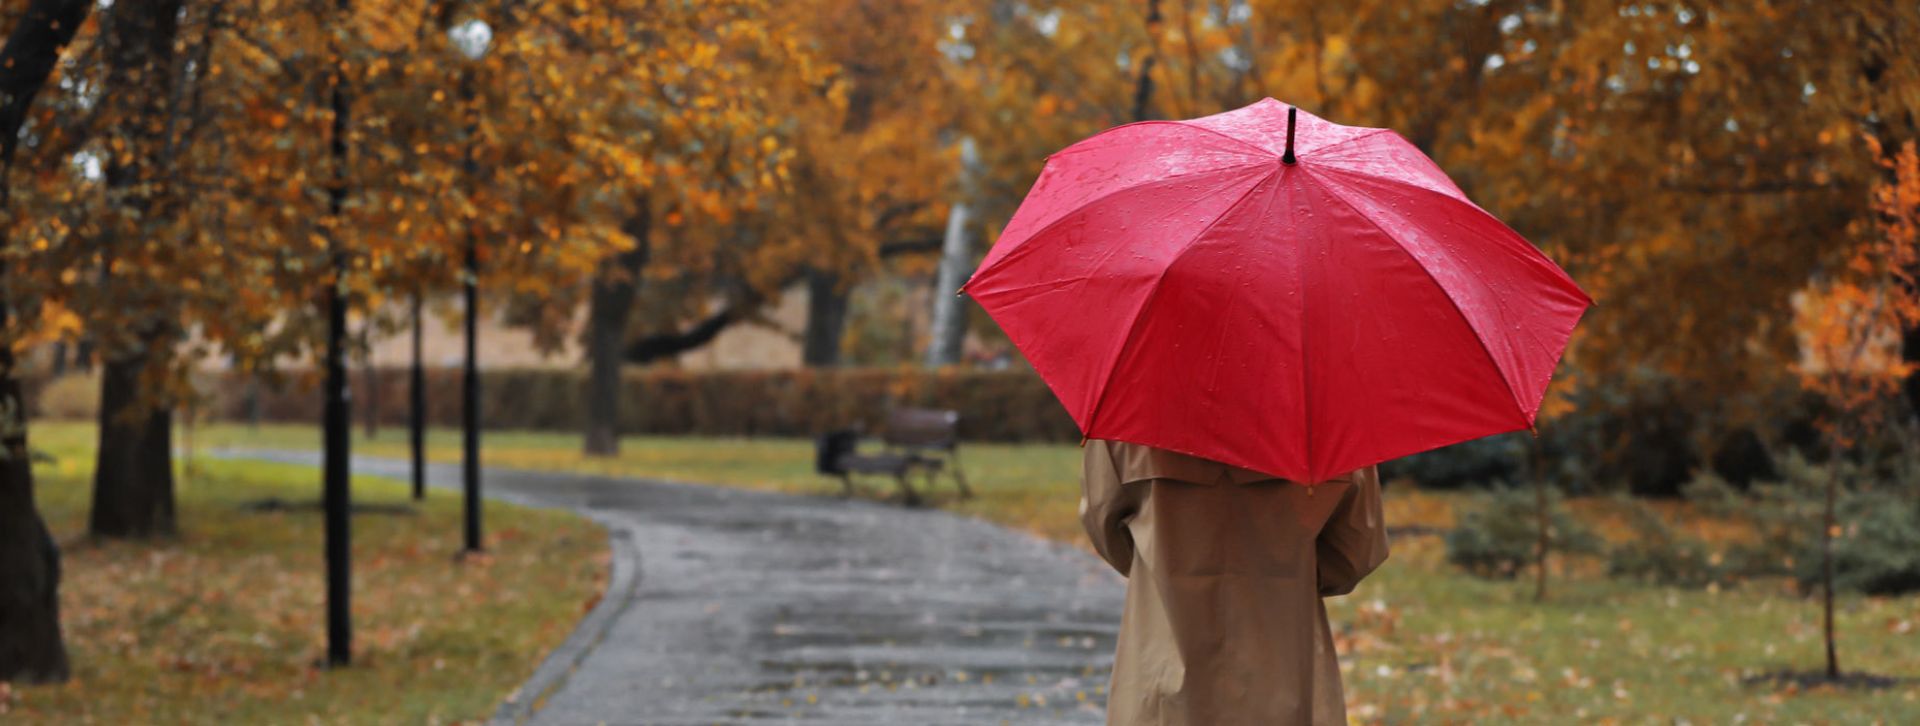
(1292, 113)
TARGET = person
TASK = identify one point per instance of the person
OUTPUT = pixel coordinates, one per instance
(1226, 568)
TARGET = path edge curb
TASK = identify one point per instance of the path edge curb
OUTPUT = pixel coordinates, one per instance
(623, 584)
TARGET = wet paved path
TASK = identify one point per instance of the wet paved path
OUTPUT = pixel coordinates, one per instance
(748, 607)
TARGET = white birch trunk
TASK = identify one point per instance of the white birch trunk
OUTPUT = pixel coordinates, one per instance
(956, 257)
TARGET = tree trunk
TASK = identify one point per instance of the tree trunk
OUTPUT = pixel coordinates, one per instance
(1826, 559)
(1143, 79)
(255, 408)
(1540, 503)
(31, 649)
(827, 303)
(956, 257)
(1543, 518)
(133, 469)
(370, 408)
(615, 286)
(186, 441)
(417, 404)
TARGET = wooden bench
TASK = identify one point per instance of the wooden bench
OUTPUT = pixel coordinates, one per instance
(914, 439)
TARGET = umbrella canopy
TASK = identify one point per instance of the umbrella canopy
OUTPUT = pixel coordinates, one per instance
(1298, 303)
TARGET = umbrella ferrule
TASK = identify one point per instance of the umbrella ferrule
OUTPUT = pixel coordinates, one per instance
(1288, 158)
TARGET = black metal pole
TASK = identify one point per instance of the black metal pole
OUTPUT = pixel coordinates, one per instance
(336, 495)
(470, 385)
(417, 418)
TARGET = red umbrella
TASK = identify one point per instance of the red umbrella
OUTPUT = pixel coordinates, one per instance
(1201, 287)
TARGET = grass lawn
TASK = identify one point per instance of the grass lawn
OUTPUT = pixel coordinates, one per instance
(1424, 642)
(225, 623)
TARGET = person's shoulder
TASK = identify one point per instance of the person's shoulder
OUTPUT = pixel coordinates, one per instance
(1139, 462)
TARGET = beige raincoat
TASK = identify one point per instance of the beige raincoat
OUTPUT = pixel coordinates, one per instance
(1225, 570)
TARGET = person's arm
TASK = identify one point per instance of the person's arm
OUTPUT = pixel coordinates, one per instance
(1354, 540)
(1106, 504)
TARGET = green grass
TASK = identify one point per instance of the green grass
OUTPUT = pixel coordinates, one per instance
(1424, 643)
(224, 624)
(1027, 486)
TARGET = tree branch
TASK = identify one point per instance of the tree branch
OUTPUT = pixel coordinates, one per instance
(655, 347)
(27, 60)
(910, 247)
(1778, 186)
(897, 211)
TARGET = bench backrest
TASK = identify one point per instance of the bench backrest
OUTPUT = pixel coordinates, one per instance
(922, 428)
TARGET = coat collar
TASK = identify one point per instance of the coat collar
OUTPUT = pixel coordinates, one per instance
(1140, 463)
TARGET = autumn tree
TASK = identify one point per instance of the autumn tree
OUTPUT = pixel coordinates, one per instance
(876, 156)
(1038, 77)
(1851, 324)
(136, 323)
(1693, 164)
(31, 648)
(674, 145)
(206, 120)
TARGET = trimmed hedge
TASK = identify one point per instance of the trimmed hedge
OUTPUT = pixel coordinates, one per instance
(993, 405)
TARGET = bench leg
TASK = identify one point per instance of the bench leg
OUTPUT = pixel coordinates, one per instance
(908, 496)
(846, 485)
(959, 477)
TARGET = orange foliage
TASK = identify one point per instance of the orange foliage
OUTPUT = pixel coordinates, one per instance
(1851, 324)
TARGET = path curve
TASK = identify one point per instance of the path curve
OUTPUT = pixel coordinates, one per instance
(752, 607)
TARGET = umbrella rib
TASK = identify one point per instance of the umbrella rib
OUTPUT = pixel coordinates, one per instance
(1306, 358)
(1512, 396)
(1133, 328)
(1525, 250)
(1054, 284)
(1343, 142)
(1536, 259)
(1021, 243)
(1264, 152)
